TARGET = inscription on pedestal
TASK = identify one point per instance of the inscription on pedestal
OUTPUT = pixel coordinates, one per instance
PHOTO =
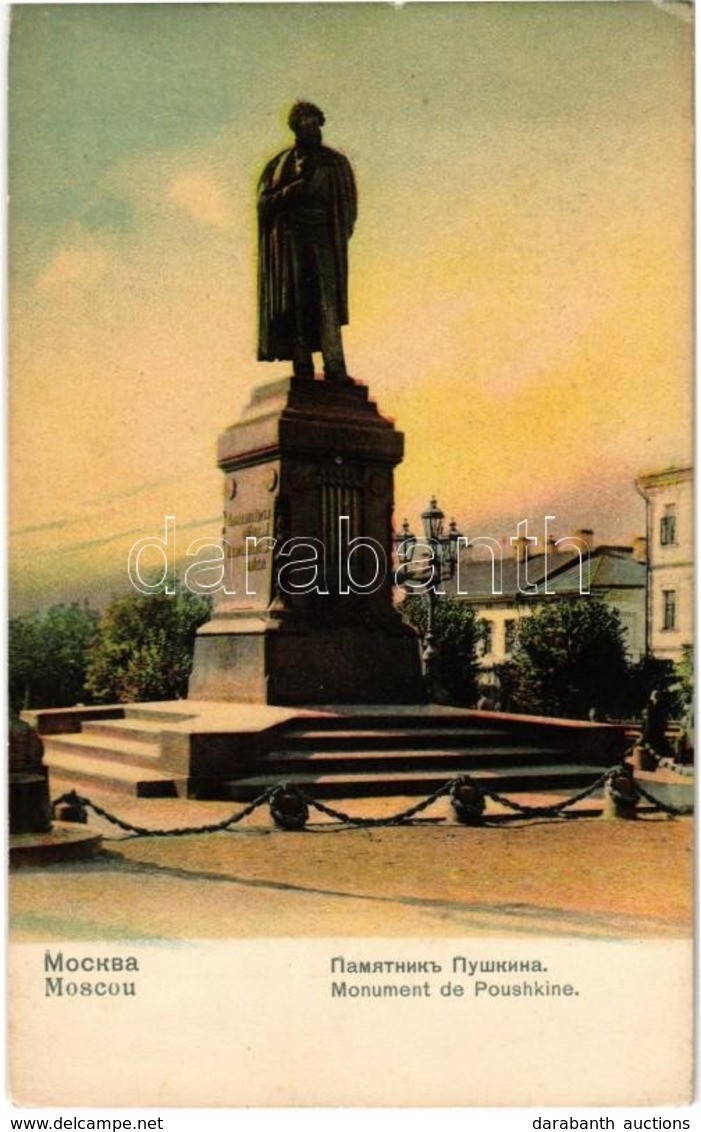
(249, 540)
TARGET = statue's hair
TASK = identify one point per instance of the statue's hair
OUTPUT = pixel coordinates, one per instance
(304, 110)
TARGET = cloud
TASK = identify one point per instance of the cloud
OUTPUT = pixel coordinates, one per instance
(201, 197)
(72, 265)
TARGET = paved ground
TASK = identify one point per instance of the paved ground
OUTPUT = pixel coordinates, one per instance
(582, 877)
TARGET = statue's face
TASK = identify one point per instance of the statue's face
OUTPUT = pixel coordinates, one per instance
(308, 131)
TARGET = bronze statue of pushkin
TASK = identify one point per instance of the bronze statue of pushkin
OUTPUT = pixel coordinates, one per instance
(307, 207)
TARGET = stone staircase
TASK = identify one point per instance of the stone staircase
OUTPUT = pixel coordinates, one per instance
(227, 751)
(122, 754)
(413, 759)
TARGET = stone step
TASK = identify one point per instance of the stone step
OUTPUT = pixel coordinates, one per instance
(101, 748)
(566, 778)
(395, 761)
(140, 730)
(388, 737)
(411, 720)
(134, 780)
(329, 719)
(152, 712)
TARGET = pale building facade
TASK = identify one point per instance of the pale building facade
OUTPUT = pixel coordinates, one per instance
(615, 575)
(669, 498)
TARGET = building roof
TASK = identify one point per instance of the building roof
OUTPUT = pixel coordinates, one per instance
(609, 568)
(665, 478)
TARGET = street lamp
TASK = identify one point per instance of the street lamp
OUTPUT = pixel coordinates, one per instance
(429, 561)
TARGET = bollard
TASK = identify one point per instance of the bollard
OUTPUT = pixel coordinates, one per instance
(71, 809)
(643, 757)
(288, 808)
(620, 795)
(467, 800)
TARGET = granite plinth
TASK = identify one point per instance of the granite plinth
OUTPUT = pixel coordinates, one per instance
(342, 665)
(305, 610)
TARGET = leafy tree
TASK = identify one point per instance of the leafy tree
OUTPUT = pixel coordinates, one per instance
(507, 683)
(684, 689)
(143, 650)
(645, 676)
(456, 633)
(570, 658)
(684, 671)
(48, 654)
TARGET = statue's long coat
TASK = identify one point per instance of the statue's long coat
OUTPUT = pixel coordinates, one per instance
(329, 190)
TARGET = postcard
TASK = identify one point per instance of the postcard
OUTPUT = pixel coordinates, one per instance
(351, 556)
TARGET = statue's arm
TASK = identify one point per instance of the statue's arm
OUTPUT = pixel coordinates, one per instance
(273, 198)
(322, 183)
(271, 201)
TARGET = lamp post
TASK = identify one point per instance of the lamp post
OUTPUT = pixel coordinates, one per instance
(428, 560)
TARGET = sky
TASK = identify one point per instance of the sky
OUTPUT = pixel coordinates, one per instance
(520, 275)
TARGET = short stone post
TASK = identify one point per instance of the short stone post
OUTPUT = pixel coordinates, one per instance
(620, 794)
(643, 757)
(288, 807)
(467, 800)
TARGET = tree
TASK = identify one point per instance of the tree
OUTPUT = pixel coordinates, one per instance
(143, 650)
(646, 675)
(569, 659)
(506, 677)
(684, 671)
(48, 655)
(456, 633)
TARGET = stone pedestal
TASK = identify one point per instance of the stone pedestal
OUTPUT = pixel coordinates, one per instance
(28, 783)
(30, 806)
(34, 838)
(305, 612)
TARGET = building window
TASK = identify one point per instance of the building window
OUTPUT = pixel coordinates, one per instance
(487, 638)
(668, 525)
(509, 635)
(669, 609)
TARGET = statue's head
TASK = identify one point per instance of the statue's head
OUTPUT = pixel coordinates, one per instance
(305, 120)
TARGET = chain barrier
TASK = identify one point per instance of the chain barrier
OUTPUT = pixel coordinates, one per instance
(683, 769)
(75, 800)
(663, 807)
(556, 807)
(290, 806)
(394, 819)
